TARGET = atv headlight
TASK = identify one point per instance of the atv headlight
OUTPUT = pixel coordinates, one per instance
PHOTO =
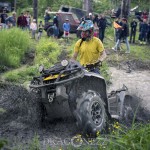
(64, 63)
(41, 68)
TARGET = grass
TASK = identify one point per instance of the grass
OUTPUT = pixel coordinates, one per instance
(14, 44)
(136, 138)
(47, 52)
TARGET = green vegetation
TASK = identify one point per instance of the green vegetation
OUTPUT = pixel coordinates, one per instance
(47, 51)
(14, 44)
(136, 138)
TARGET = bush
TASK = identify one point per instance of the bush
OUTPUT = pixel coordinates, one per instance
(47, 52)
(14, 44)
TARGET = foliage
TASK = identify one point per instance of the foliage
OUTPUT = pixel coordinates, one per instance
(21, 75)
(14, 44)
(136, 138)
(35, 144)
(3, 142)
(47, 51)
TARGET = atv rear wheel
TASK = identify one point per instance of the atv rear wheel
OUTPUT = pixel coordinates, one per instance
(90, 113)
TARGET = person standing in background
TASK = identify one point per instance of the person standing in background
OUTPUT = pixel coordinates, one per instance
(33, 28)
(133, 26)
(143, 31)
(102, 27)
(40, 30)
(3, 17)
(66, 28)
(28, 18)
(22, 21)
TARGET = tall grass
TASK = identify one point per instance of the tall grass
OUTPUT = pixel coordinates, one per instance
(13, 44)
(47, 52)
(135, 138)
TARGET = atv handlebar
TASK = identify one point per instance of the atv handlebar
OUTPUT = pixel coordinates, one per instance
(94, 65)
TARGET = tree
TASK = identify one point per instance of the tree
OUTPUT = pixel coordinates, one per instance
(35, 9)
(88, 5)
(125, 8)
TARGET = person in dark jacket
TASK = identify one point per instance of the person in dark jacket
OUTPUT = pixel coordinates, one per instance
(133, 26)
(22, 21)
(102, 27)
(148, 33)
(3, 17)
(143, 31)
(123, 35)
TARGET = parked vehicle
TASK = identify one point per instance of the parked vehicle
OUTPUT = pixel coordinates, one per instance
(62, 16)
(5, 5)
(67, 82)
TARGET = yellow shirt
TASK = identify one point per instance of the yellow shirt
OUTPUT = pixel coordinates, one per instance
(89, 51)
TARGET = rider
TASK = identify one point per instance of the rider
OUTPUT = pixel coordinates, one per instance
(89, 48)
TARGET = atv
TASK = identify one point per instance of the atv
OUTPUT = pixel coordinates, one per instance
(68, 84)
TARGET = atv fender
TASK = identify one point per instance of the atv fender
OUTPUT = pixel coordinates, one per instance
(90, 81)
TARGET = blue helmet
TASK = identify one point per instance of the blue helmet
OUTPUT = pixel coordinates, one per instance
(86, 25)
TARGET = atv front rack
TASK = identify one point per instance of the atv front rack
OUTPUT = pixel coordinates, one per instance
(57, 80)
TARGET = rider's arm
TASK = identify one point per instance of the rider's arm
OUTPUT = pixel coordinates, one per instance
(102, 56)
(75, 55)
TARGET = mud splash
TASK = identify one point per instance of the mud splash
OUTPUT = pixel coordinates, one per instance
(19, 123)
(138, 84)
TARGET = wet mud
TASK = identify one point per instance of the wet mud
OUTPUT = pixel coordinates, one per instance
(19, 117)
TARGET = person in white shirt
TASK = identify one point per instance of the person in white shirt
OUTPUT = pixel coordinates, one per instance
(33, 28)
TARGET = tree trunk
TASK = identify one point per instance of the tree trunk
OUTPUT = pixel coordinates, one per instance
(35, 9)
(125, 8)
(15, 5)
(88, 5)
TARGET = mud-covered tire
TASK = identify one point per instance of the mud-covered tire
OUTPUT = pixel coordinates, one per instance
(90, 113)
(50, 31)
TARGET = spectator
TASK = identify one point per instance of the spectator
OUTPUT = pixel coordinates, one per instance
(133, 26)
(118, 12)
(47, 17)
(3, 17)
(28, 18)
(22, 21)
(66, 28)
(11, 19)
(117, 25)
(148, 33)
(144, 15)
(40, 30)
(33, 28)
(48, 10)
(102, 27)
(143, 31)
(95, 20)
(89, 17)
(123, 35)
(55, 25)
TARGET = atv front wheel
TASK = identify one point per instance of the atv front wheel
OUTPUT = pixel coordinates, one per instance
(90, 113)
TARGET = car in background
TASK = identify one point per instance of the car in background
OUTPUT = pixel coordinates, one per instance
(5, 6)
(62, 16)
